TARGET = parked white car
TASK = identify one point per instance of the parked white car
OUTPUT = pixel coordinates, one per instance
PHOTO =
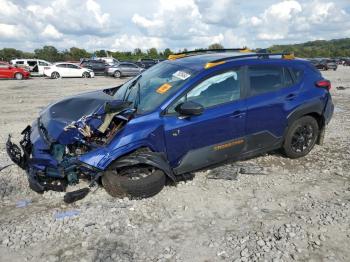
(64, 69)
(34, 66)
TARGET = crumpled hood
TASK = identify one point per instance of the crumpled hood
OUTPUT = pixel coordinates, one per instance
(58, 115)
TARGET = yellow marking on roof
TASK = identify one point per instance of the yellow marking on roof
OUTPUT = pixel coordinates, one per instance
(246, 50)
(288, 56)
(174, 57)
(212, 64)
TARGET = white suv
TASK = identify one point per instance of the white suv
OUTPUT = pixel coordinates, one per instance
(36, 67)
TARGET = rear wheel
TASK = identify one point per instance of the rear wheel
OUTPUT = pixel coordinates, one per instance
(86, 75)
(55, 75)
(134, 182)
(301, 137)
(117, 74)
(18, 76)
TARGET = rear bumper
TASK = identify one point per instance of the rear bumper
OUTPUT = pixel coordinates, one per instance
(329, 110)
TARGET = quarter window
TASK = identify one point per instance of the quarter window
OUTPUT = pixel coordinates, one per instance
(216, 90)
(264, 79)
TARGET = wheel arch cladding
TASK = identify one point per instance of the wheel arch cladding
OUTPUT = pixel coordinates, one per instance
(313, 110)
(140, 156)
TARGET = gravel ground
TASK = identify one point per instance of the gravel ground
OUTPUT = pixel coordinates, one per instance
(291, 210)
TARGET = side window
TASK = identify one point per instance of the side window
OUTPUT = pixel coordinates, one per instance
(19, 62)
(72, 66)
(264, 79)
(43, 63)
(61, 65)
(32, 63)
(288, 79)
(216, 90)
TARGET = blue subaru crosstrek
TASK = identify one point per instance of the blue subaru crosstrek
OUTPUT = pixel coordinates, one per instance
(194, 110)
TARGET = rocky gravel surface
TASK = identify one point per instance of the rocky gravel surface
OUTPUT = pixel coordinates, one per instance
(284, 210)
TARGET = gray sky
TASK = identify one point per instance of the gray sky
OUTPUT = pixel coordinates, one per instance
(125, 25)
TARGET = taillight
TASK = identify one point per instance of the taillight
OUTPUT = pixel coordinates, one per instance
(324, 84)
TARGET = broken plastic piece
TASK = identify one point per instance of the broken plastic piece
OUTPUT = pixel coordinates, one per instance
(74, 196)
(66, 214)
(23, 203)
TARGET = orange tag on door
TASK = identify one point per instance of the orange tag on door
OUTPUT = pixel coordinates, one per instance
(163, 88)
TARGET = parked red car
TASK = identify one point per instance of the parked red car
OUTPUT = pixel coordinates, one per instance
(9, 71)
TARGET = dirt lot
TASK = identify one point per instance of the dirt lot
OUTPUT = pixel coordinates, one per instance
(294, 210)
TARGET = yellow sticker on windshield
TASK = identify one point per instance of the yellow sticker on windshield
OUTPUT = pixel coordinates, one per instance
(163, 88)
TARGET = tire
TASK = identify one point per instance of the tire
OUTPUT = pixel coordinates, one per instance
(55, 75)
(18, 76)
(120, 184)
(86, 75)
(117, 74)
(301, 137)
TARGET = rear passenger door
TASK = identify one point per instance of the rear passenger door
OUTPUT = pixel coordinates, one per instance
(271, 95)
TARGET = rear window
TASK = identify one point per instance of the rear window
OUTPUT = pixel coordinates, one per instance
(264, 79)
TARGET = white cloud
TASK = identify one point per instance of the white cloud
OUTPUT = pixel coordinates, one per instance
(51, 32)
(128, 43)
(175, 20)
(11, 32)
(297, 21)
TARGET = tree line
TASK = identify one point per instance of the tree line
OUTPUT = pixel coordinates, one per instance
(318, 48)
(52, 54)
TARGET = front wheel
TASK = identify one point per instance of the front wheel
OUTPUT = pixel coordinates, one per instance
(117, 74)
(18, 76)
(134, 182)
(301, 137)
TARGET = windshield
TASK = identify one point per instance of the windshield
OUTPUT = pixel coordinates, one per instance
(150, 89)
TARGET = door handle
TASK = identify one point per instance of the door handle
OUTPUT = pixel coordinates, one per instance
(238, 114)
(290, 97)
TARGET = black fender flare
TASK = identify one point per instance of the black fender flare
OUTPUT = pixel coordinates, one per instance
(156, 159)
(306, 109)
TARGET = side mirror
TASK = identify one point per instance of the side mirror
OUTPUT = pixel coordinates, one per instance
(189, 108)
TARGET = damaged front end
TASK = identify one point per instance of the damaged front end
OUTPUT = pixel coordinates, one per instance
(49, 150)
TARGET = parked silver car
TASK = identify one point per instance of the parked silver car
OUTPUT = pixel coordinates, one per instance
(124, 69)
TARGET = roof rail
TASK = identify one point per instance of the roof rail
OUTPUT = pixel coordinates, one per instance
(220, 61)
(258, 55)
(203, 51)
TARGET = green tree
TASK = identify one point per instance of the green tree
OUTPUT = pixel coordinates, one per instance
(49, 53)
(7, 54)
(76, 53)
(152, 53)
(216, 46)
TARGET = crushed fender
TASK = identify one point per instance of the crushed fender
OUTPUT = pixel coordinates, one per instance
(155, 159)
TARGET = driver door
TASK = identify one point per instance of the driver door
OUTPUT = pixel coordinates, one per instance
(215, 135)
